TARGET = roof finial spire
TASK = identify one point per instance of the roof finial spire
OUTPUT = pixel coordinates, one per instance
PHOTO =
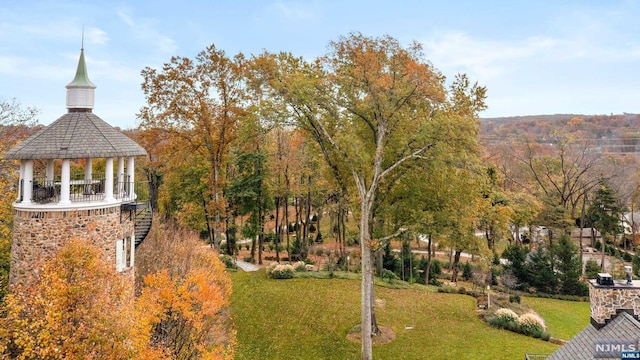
(80, 91)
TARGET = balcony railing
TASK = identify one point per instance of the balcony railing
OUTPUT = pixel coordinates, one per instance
(536, 356)
(80, 190)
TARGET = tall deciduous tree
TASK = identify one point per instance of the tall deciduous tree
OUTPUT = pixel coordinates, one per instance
(199, 103)
(372, 105)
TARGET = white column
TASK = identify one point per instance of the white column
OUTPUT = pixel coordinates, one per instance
(133, 251)
(65, 182)
(88, 169)
(50, 172)
(108, 180)
(130, 177)
(121, 185)
(21, 184)
(28, 182)
(88, 176)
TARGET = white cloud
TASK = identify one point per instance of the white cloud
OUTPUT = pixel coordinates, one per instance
(144, 29)
(296, 11)
(32, 68)
(96, 36)
(485, 59)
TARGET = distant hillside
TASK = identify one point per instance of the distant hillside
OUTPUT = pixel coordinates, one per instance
(615, 129)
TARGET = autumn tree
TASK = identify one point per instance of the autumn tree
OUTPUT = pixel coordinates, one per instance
(199, 103)
(371, 106)
(184, 295)
(16, 124)
(497, 213)
(78, 308)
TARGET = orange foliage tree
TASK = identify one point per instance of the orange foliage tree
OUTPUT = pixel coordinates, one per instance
(185, 292)
(199, 104)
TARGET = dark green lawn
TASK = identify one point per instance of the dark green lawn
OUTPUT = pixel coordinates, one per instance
(310, 318)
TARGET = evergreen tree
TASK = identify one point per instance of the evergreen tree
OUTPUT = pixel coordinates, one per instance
(517, 255)
(568, 267)
(539, 269)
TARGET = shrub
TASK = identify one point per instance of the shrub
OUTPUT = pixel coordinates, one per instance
(269, 237)
(531, 321)
(300, 266)
(514, 299)
(280, 271)
(228, 261)
(506, 314)
(591, 269)
(388, 275)
(466, 271)
(319, 251)
(529, 324)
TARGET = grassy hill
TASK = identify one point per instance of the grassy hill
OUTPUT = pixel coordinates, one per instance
(310, 318)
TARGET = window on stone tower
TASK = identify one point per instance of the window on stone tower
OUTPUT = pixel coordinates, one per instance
(121, 255)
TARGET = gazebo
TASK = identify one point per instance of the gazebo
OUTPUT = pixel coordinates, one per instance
(60, 197)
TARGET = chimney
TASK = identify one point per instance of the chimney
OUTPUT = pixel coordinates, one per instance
(609, 297)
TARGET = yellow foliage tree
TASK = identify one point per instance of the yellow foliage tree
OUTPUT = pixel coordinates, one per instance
(79, 308)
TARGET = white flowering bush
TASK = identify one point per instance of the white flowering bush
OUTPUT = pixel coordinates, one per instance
(532, 322)
(270, 268)
(280, 271)
(506, 314)
(300, 266)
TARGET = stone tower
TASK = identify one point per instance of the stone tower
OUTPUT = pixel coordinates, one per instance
(60, 196)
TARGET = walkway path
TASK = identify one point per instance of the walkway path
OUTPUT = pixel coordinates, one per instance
(247, 266)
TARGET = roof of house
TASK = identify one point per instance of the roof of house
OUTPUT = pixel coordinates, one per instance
(76, 135)
(623, 327)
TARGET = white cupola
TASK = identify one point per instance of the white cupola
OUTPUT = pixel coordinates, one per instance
(80, 91)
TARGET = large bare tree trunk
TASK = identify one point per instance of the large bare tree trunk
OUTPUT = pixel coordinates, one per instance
(216, 190)
(456, 262)
(286, 224)
(277, 229)
(366, 315)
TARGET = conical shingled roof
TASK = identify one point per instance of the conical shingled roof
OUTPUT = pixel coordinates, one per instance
(76, 135)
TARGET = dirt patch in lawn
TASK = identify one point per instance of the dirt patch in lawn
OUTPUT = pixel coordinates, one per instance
(385, 336)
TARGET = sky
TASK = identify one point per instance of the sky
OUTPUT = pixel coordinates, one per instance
(535, 57)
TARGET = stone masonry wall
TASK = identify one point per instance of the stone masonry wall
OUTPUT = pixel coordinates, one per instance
(606, 301)
(37, 235)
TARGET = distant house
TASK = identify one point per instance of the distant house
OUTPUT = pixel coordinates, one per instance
(586, 233)
(629, 220)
